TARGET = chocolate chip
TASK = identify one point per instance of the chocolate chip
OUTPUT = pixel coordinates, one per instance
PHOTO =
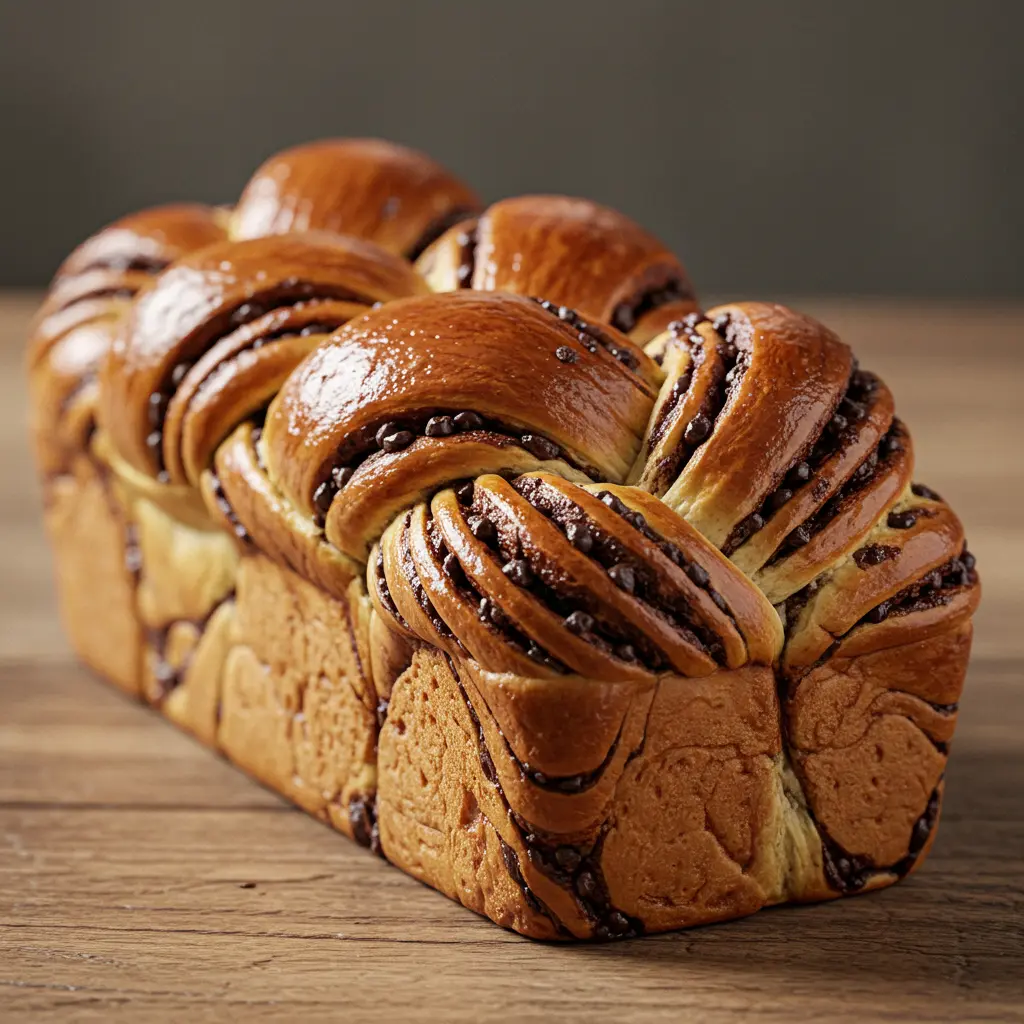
(624, 356)
(384, 431)
(540, 447)
(636, 519)
(969, 560)
(623, 576)
(673, 554)
(341, 476)
(453, 570)
(697, 429)
(625, 652)
(579, 622)
(874, 554)
(579, 537)
(879, 614)
(482, 529)
(925, 492)
(753, 523)
(490, 612)
(323, 496)
(890, 444)
(568, 858)
(617, 923)
(439, 426)
(902, 520)
(565, 313)
(586, 884)
(178, 373)
(564, 354)
(698, 574)
(779, 498)
(613, 502)
(154, 439)
(865, 470)
(799, 537)
(838, 423)
(398, 441)
(536, 653)
(468, 421)
(718, 600)
(518, 571)
(623, 317)
(800, 473)
(464, 492)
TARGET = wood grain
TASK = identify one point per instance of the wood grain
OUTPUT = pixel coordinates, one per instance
(141, 878)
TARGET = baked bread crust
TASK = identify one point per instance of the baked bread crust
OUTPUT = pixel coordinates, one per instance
(572, 252)
(596, 639)
(368, 188)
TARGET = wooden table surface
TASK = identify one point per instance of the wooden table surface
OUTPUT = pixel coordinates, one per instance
(141, 878)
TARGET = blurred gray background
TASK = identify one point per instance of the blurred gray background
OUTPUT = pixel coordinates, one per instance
(795, 147)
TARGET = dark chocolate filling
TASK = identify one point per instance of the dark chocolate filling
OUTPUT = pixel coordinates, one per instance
(925, 492)
(295, 293)
(362, 815)
(628, 314)
(168, 677)
(394, 435)
(225, 506)
(122, 292)
(383, 591)
(874, 554)
(491, 774)
(847, 872)
(684, 330)
(408, 567)
(578, 870)
(436, 228)
(591, 336)
(939, 587)
(839, 432)
(619, 638)
(488, 612)
(132, 553)
(877, 463)
(735, 362)
(125, 263)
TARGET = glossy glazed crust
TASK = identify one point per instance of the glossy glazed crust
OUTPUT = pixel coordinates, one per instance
(88, 527)
(388, 194)
(573, 252)
(215, 304)
(595, 642)
(552, 401)
(90, 296)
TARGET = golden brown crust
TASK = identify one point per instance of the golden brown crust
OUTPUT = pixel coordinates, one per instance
(367, 188)
(477, 593)
(574, 253)
(221, 300)
(90, 296)
(543, 577)
(763, 384)
(592, 855)
(515, 387)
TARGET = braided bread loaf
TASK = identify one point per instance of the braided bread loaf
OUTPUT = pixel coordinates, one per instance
(601, 620)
